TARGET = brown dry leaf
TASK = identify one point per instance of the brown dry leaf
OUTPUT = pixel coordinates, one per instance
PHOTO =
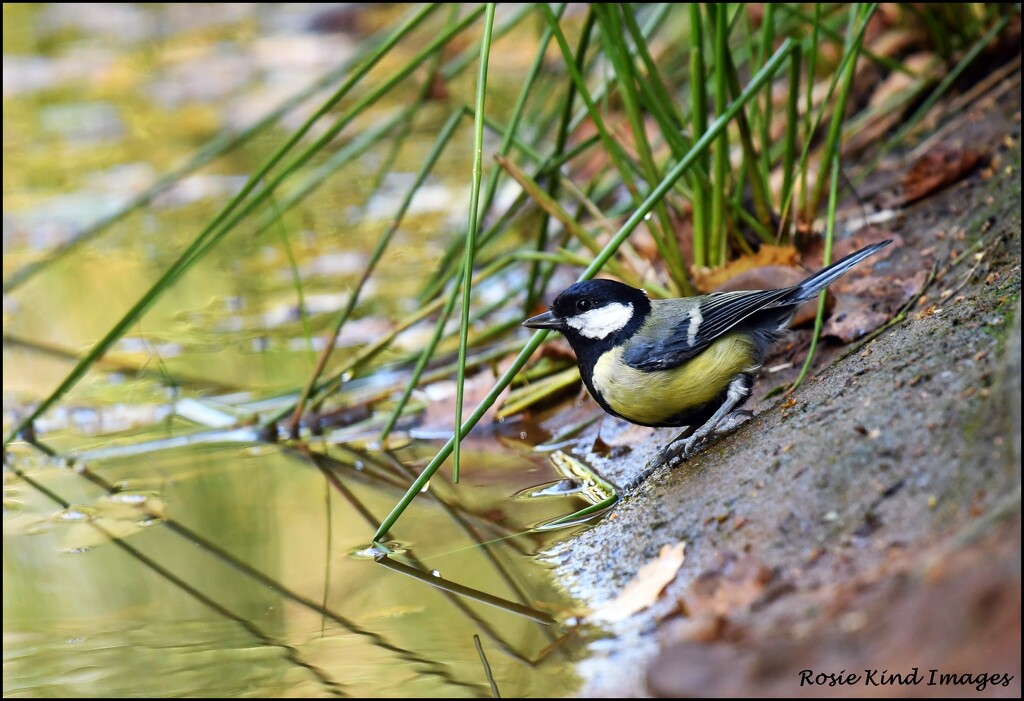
(868, 303)
(438, 89)
(866, 300)
(774, 276)
(707, 280)
(772, 267)
(923, 65)
(941, 166)
(714, 601)
(891, 92)
(646, 587)
(765, 277)
(735, 584)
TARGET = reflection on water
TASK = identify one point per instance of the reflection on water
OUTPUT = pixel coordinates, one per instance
(244, 581)
(178, 555)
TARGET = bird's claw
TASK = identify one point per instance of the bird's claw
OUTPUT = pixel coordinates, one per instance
(691, 447)
(671, 456)
(679, 451)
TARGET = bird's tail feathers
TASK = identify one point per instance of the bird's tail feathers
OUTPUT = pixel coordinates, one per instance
(809, 288)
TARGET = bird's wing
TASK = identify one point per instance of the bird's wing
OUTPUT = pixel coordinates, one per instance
(680, 329)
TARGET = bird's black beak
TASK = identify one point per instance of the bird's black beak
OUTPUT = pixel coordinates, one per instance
(547, 320)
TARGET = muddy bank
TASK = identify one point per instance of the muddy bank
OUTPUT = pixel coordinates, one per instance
(872, 522)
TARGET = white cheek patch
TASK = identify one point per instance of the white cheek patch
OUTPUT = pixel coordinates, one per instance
(598, 323)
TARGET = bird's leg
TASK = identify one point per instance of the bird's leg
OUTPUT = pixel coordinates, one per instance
(692, 437)
(688, 443)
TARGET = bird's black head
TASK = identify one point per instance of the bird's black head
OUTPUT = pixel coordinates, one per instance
(596, 314)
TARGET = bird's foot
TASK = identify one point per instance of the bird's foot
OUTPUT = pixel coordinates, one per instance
(679, 450)
(734, 420)
(684, 448)
(671, 456)
(688, 444)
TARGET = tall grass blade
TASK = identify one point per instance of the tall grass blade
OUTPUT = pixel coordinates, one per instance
(614, 149)
(625, 71)
(789, 145)
(561, 139)
(808, 135)
(767, 40)
(667, 183)
(293, 269)
(845, 76)
(471, 230)
(830, 227)
(719, 223)
(699, 119)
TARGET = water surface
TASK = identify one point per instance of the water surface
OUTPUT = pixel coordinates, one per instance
(153, 544)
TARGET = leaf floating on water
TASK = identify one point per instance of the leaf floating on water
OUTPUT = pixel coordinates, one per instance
(646, 587)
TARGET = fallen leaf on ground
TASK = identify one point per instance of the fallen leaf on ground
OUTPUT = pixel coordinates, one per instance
(886, 108)
(721, 279)
(716, 602)
(866, 299)
(646, 587)
(733, 585)
(942, 166)
(771, 277)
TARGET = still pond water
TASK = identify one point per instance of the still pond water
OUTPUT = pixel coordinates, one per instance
(153, 547)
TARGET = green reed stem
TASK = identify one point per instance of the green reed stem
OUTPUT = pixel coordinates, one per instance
(851, 52)
(471, 230)
(789, 144)
(830, 227)
(561, 139)
(667, 183)
(625, 71)
(702, 242)
(719, 223)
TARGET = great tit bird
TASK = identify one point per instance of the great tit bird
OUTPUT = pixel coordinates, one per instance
(677, 362)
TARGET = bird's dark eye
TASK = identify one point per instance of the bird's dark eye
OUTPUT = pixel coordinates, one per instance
(583, 305)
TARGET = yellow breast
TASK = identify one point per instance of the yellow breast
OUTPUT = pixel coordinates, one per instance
(654, 397)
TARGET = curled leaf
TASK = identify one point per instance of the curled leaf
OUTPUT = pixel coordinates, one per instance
(646, 587)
